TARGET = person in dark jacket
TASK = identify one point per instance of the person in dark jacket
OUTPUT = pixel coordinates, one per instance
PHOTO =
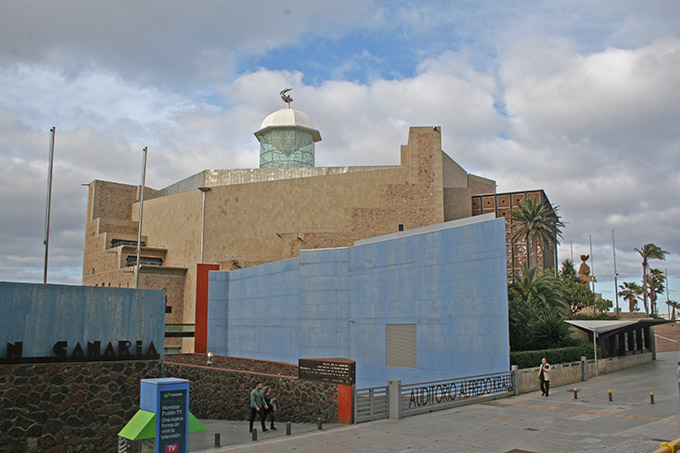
(272, 404)
(257, 406)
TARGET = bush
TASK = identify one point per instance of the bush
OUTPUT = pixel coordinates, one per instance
(530, 359)
(600, 317)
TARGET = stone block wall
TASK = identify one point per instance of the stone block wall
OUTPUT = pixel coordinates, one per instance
(572, 373)
(69, 407)
(224, 394)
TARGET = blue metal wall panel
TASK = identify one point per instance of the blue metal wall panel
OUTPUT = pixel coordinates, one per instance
(41, 315)
(450, 282)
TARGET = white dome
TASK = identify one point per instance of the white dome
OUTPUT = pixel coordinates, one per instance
(288, 118)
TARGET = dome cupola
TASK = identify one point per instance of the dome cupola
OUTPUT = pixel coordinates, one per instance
(287, 138)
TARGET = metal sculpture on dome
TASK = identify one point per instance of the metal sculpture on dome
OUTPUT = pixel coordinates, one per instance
(287, 137)
(286, 97)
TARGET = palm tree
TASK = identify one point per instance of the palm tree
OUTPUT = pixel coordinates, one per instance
(655, 286)
(542, 288)
(648, 252)
(630, 292)
(536, 310)
(536, 223)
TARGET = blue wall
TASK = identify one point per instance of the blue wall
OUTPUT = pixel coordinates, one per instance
(41, 315)
(448, 279)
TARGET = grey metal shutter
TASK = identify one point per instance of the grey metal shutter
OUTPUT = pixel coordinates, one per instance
(400, 345)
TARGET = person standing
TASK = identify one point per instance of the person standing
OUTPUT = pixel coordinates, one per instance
(257, 406)
(271, 401)
(544, 377)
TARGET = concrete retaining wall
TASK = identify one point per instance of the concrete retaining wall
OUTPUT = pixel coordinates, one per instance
(571, 373)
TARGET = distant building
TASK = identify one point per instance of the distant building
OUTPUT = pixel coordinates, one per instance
(230, 219)
(501, 204)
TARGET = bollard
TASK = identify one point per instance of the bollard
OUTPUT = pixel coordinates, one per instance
(288, 428)
(651, 397)
(318, 424)
(575, 393)
(610, 396)
(254, 433)
(217, 439)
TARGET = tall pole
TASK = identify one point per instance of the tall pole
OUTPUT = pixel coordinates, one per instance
(49, 202)
(141, 214)
(667, 298)
(571, 251)
(597, 370)
(592, 262)
(204, 190)
(616, 275)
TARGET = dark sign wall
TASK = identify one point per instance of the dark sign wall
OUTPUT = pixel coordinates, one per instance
(335, 371)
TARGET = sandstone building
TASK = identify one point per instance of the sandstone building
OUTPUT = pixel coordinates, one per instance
(230, 219)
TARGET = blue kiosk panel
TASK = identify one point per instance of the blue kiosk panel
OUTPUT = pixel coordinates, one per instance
(168, 398)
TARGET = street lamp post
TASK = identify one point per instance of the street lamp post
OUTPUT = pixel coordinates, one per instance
(616, 275)
(141, 213)
(204, 190)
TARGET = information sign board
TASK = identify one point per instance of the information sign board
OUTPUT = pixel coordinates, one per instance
(336, 371)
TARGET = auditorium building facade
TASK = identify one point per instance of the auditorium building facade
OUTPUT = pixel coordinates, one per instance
(239, 218)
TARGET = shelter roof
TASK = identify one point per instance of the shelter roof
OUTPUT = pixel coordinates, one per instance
(600, 327)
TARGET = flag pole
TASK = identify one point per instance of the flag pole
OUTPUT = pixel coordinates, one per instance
(48, 203)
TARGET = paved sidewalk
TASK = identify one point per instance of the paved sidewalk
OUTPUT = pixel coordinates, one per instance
(528, 422)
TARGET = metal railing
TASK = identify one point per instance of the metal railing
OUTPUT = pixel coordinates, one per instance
(397, 400)
(370, 404)
(437, 395)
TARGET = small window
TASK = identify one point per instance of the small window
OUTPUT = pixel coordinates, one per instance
(400, 345)
(401, 227)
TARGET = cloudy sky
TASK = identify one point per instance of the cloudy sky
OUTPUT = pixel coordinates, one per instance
(579, 98)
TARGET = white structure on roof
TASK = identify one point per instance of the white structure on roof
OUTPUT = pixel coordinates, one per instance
(287, 139)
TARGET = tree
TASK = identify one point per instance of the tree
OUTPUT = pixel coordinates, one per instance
(604, 305)
(550, 330)
(536, 223)
(541, 287)
(655, 286)
(630, 292)
(575, 292)
(648, 252)
(536, 311)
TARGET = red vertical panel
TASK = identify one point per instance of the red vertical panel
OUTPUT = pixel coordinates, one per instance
(201, 329)
(345, 403)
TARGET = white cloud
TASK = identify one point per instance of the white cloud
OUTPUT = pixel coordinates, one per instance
(579, 101)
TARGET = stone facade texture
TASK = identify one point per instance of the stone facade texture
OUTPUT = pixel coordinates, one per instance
(224, 394)
(69, 407)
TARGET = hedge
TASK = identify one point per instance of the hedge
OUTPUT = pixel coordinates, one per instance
(531, 359)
